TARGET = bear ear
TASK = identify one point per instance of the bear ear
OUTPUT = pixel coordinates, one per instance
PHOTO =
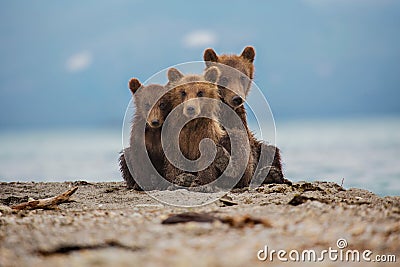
(249, 53)
(210, 56)
(134, 85)
(212, 74)
(174, 75)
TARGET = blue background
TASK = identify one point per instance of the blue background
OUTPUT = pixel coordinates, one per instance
(315, 58)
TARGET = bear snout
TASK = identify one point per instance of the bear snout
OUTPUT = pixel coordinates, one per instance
(155, 123)
(237, 100)
(190, 111)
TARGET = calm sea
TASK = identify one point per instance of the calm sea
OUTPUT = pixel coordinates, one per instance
(364, 153)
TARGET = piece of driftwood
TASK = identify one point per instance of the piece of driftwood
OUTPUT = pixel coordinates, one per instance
(189, 217)
(236, 221)
(46, 203)
(227, 201)
(241, 221)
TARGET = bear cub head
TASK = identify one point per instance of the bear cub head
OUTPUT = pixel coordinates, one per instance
(236, 74)
(151, 102)
(191, 90)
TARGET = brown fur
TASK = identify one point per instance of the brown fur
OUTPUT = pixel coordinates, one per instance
(149, 116)
(187, 90)
(240, 87)
(126, 174)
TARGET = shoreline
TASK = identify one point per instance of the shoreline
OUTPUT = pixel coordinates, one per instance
(109, 225)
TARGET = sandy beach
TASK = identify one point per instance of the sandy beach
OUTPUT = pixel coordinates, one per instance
(107, 225)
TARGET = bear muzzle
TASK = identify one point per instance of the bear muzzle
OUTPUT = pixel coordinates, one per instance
(190, 111)
(237, 101)
(155, 123)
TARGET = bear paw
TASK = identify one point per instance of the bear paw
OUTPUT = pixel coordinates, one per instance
(274, 176)
(184, 179)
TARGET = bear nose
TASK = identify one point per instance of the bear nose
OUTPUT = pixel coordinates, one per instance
(237, 100)
(190, 109)
(155, 123)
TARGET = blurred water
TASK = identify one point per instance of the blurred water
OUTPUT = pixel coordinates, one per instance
(364, 152)
(89, 155)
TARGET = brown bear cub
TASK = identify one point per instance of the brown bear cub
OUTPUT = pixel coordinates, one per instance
(194, 97)
(234, 87)
(152, 107)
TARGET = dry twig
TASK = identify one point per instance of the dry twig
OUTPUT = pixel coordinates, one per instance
(46, 203)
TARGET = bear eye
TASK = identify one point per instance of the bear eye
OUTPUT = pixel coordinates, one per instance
(200, 94)
(224, 81)
(147, 106)
(162, 105)
(242, 78)
(183, 93)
